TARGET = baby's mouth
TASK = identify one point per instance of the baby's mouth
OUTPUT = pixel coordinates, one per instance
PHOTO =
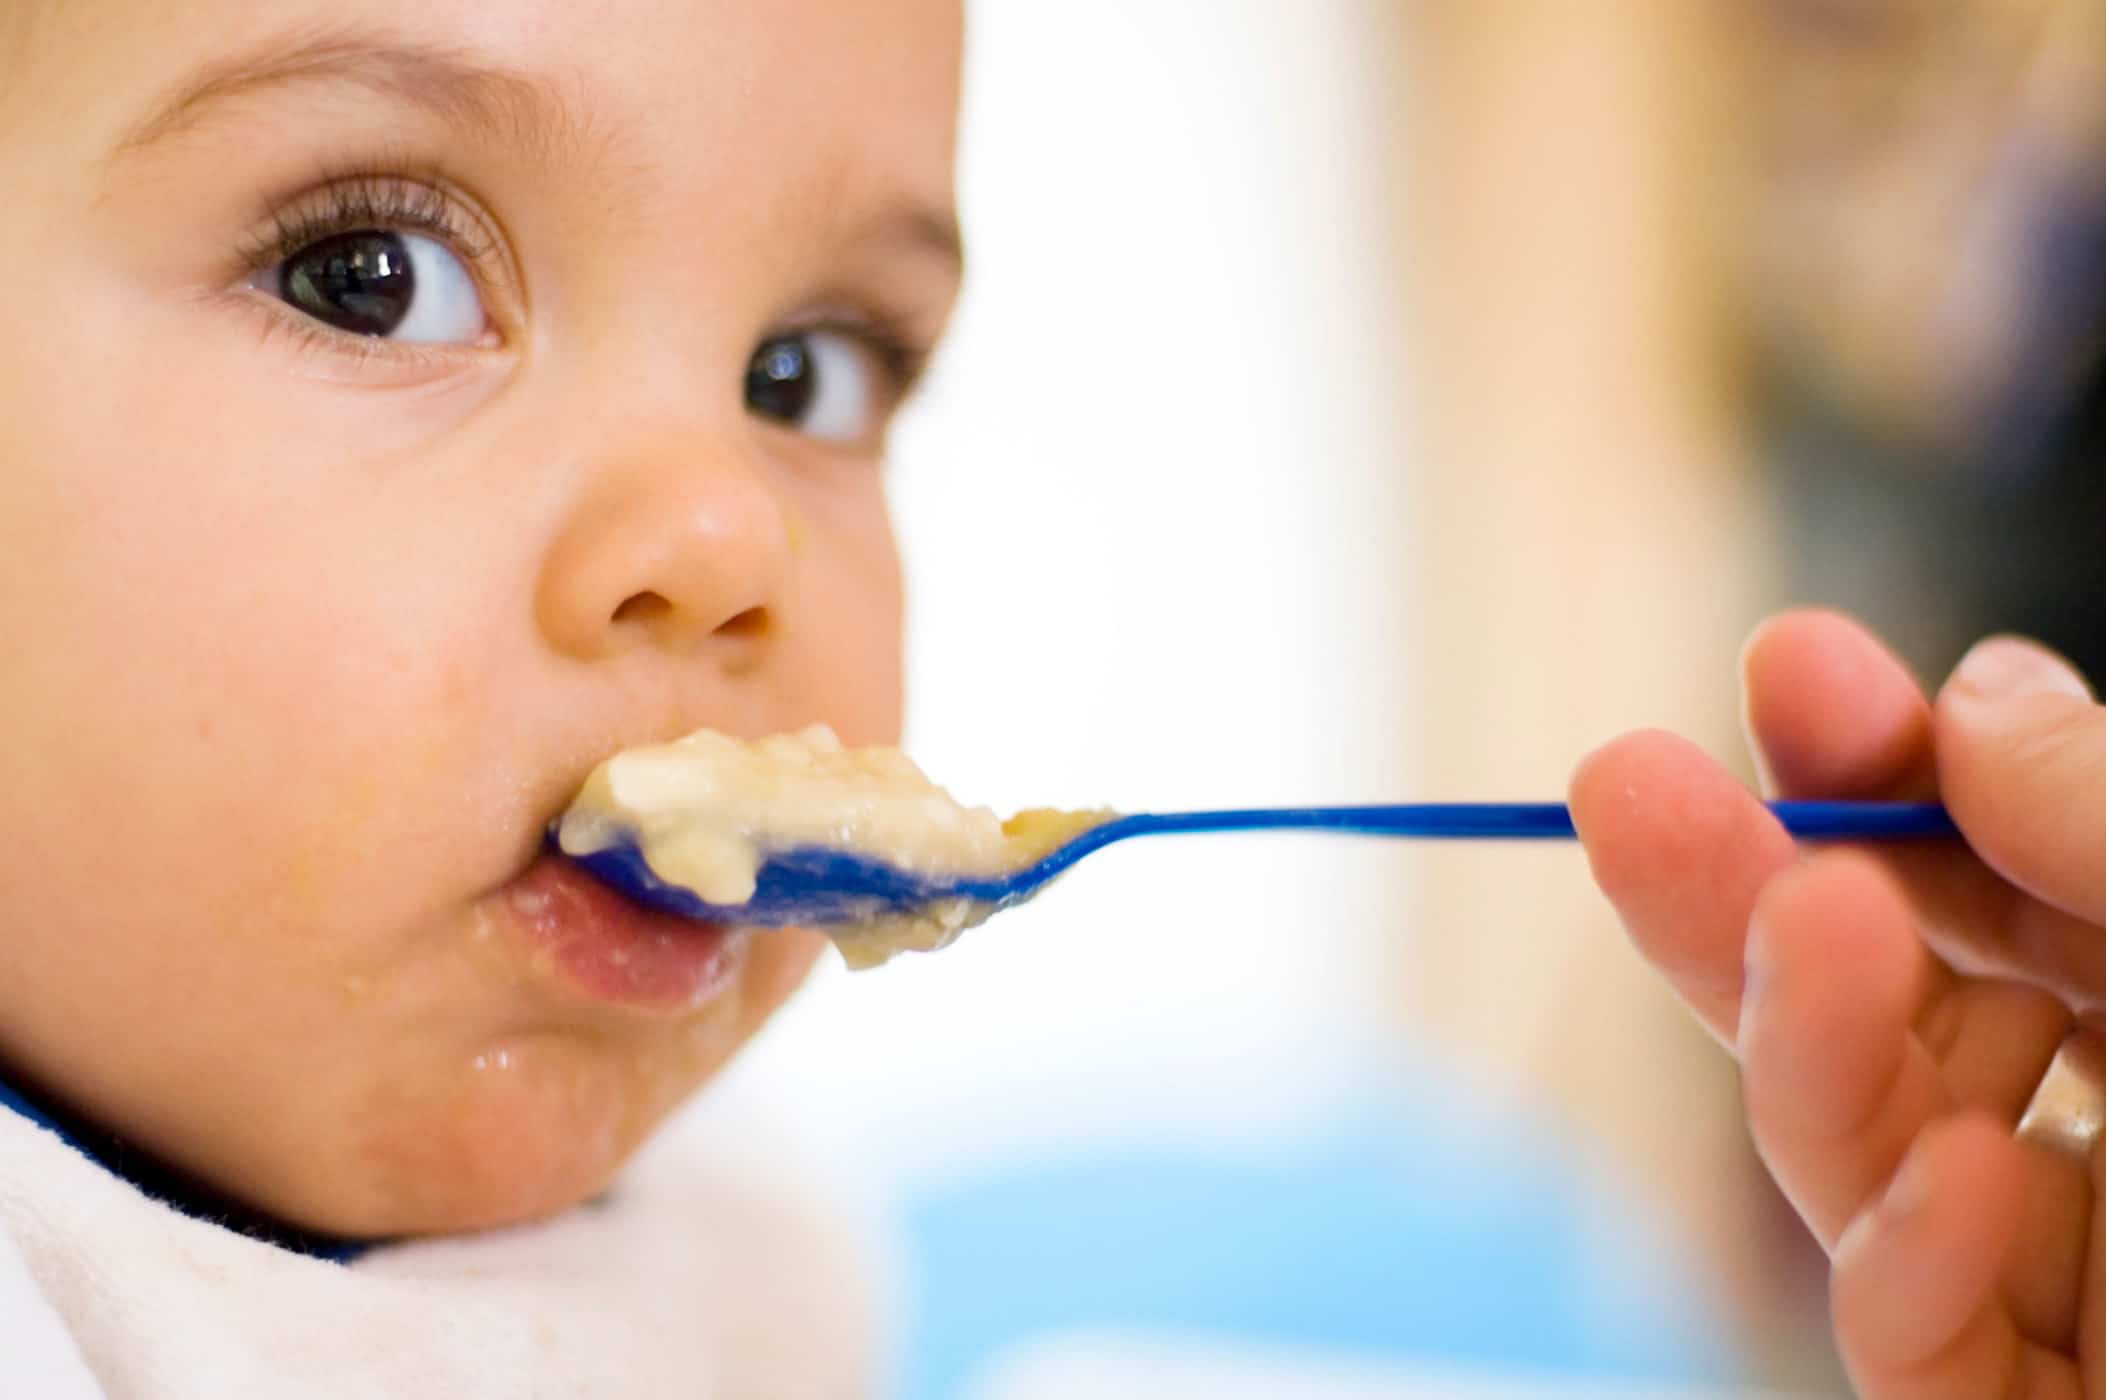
(594, 944)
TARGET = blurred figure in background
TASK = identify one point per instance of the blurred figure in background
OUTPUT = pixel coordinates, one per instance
(1926, 281)
(1724, 306)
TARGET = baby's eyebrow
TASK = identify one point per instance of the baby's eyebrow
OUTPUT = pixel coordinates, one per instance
(458, 90)
(921, 228)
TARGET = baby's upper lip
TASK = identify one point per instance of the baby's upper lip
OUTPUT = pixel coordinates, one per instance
(545, 803)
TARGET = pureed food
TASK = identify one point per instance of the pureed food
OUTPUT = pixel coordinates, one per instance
(706, 811)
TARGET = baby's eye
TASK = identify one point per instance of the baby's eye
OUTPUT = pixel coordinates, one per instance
(820, 382)
(400, 286)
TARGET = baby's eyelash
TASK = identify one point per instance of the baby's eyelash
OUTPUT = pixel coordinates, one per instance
(349, 203)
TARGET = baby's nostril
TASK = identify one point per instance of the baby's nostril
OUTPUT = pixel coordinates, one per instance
(752, 623)
(649, 608)
(642, 607)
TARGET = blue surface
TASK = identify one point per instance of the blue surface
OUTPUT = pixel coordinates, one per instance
(1384, 1239)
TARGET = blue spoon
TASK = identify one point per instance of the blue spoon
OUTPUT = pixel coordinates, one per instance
(816, 885)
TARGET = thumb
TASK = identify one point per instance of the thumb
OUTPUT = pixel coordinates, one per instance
(2021, 751)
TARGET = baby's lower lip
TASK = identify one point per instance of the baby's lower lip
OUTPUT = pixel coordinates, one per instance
(600, 945)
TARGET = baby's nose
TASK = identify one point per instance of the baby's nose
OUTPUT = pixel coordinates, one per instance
(677, 554)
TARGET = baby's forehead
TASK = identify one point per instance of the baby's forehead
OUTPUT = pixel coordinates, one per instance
(817, 138)
(706, 73)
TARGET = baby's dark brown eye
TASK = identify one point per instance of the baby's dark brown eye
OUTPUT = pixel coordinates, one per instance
(781, 379)
(820, 382)
(357, 282)
(398, 286)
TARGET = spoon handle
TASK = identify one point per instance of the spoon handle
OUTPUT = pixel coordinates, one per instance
(1537, 821)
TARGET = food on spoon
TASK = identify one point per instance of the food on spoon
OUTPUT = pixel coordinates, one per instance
(707, 811)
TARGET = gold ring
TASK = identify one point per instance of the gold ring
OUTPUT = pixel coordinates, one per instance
(2068, 1110)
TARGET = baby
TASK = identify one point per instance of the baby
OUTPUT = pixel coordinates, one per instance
(404, 404)
(1913, 1024)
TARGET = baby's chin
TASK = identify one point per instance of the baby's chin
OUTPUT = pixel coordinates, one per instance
(527, 1124)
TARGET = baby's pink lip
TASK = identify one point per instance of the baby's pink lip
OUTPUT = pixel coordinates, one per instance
(598, 944)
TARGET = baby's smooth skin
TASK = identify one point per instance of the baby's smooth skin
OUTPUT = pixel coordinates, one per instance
(1895, 1009)
(309, 629)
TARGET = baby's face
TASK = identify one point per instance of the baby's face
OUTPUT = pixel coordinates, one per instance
(403, 405)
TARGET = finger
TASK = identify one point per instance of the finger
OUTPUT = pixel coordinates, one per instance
(2091, 1324)
(1992, 1042)
(1681, 850)
(1831, 712)
(1836, 1082)
(2022, 763)
(1915, 1300)
(1850, 1050)
(2042, 1284)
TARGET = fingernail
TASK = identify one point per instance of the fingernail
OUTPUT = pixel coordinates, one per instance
(1911, 1188)
(2008, 667)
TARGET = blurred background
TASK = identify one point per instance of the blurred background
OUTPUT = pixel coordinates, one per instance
(1367, 400)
